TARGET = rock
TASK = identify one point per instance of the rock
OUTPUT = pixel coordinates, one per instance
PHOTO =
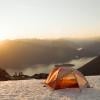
(20, 76)
(65, 65)
(4, 76)
(40, 76)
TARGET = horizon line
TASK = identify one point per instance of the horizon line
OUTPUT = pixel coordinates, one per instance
(59, 38)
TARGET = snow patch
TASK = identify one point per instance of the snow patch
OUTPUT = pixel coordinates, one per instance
(35, 90)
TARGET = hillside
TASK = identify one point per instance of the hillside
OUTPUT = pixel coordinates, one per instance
(91, 68)
(19, 54)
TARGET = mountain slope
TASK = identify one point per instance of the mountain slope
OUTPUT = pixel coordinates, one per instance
(91, 68)
(23, 53)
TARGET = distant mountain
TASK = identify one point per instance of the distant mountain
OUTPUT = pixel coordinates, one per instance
(23, 53)
(91, 68)
(19, 54)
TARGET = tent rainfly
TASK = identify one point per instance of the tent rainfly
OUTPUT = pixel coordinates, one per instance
(66, 77)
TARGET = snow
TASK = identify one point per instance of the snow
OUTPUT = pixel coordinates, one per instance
(35, 90)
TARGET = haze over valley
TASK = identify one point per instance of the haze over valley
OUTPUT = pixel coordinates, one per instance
(21, 54)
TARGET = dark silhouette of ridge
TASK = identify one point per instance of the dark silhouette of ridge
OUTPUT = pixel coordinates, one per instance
(91, 68)
(4, 76)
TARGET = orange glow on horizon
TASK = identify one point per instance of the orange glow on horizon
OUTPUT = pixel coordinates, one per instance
(48, 36)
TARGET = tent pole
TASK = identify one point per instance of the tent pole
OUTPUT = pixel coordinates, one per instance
(77, 81)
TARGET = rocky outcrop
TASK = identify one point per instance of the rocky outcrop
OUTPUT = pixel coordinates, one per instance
(91, 68)
(4, 76)
(65, 65)
(20, 76)
(40, 76)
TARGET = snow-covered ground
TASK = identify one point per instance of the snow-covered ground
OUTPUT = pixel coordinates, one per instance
(34, 90)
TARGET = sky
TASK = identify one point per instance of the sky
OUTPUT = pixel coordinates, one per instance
(49, 18)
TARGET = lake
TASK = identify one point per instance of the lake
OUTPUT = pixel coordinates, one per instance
(42, 68)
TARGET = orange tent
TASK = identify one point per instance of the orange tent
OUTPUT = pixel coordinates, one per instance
(66, 77)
